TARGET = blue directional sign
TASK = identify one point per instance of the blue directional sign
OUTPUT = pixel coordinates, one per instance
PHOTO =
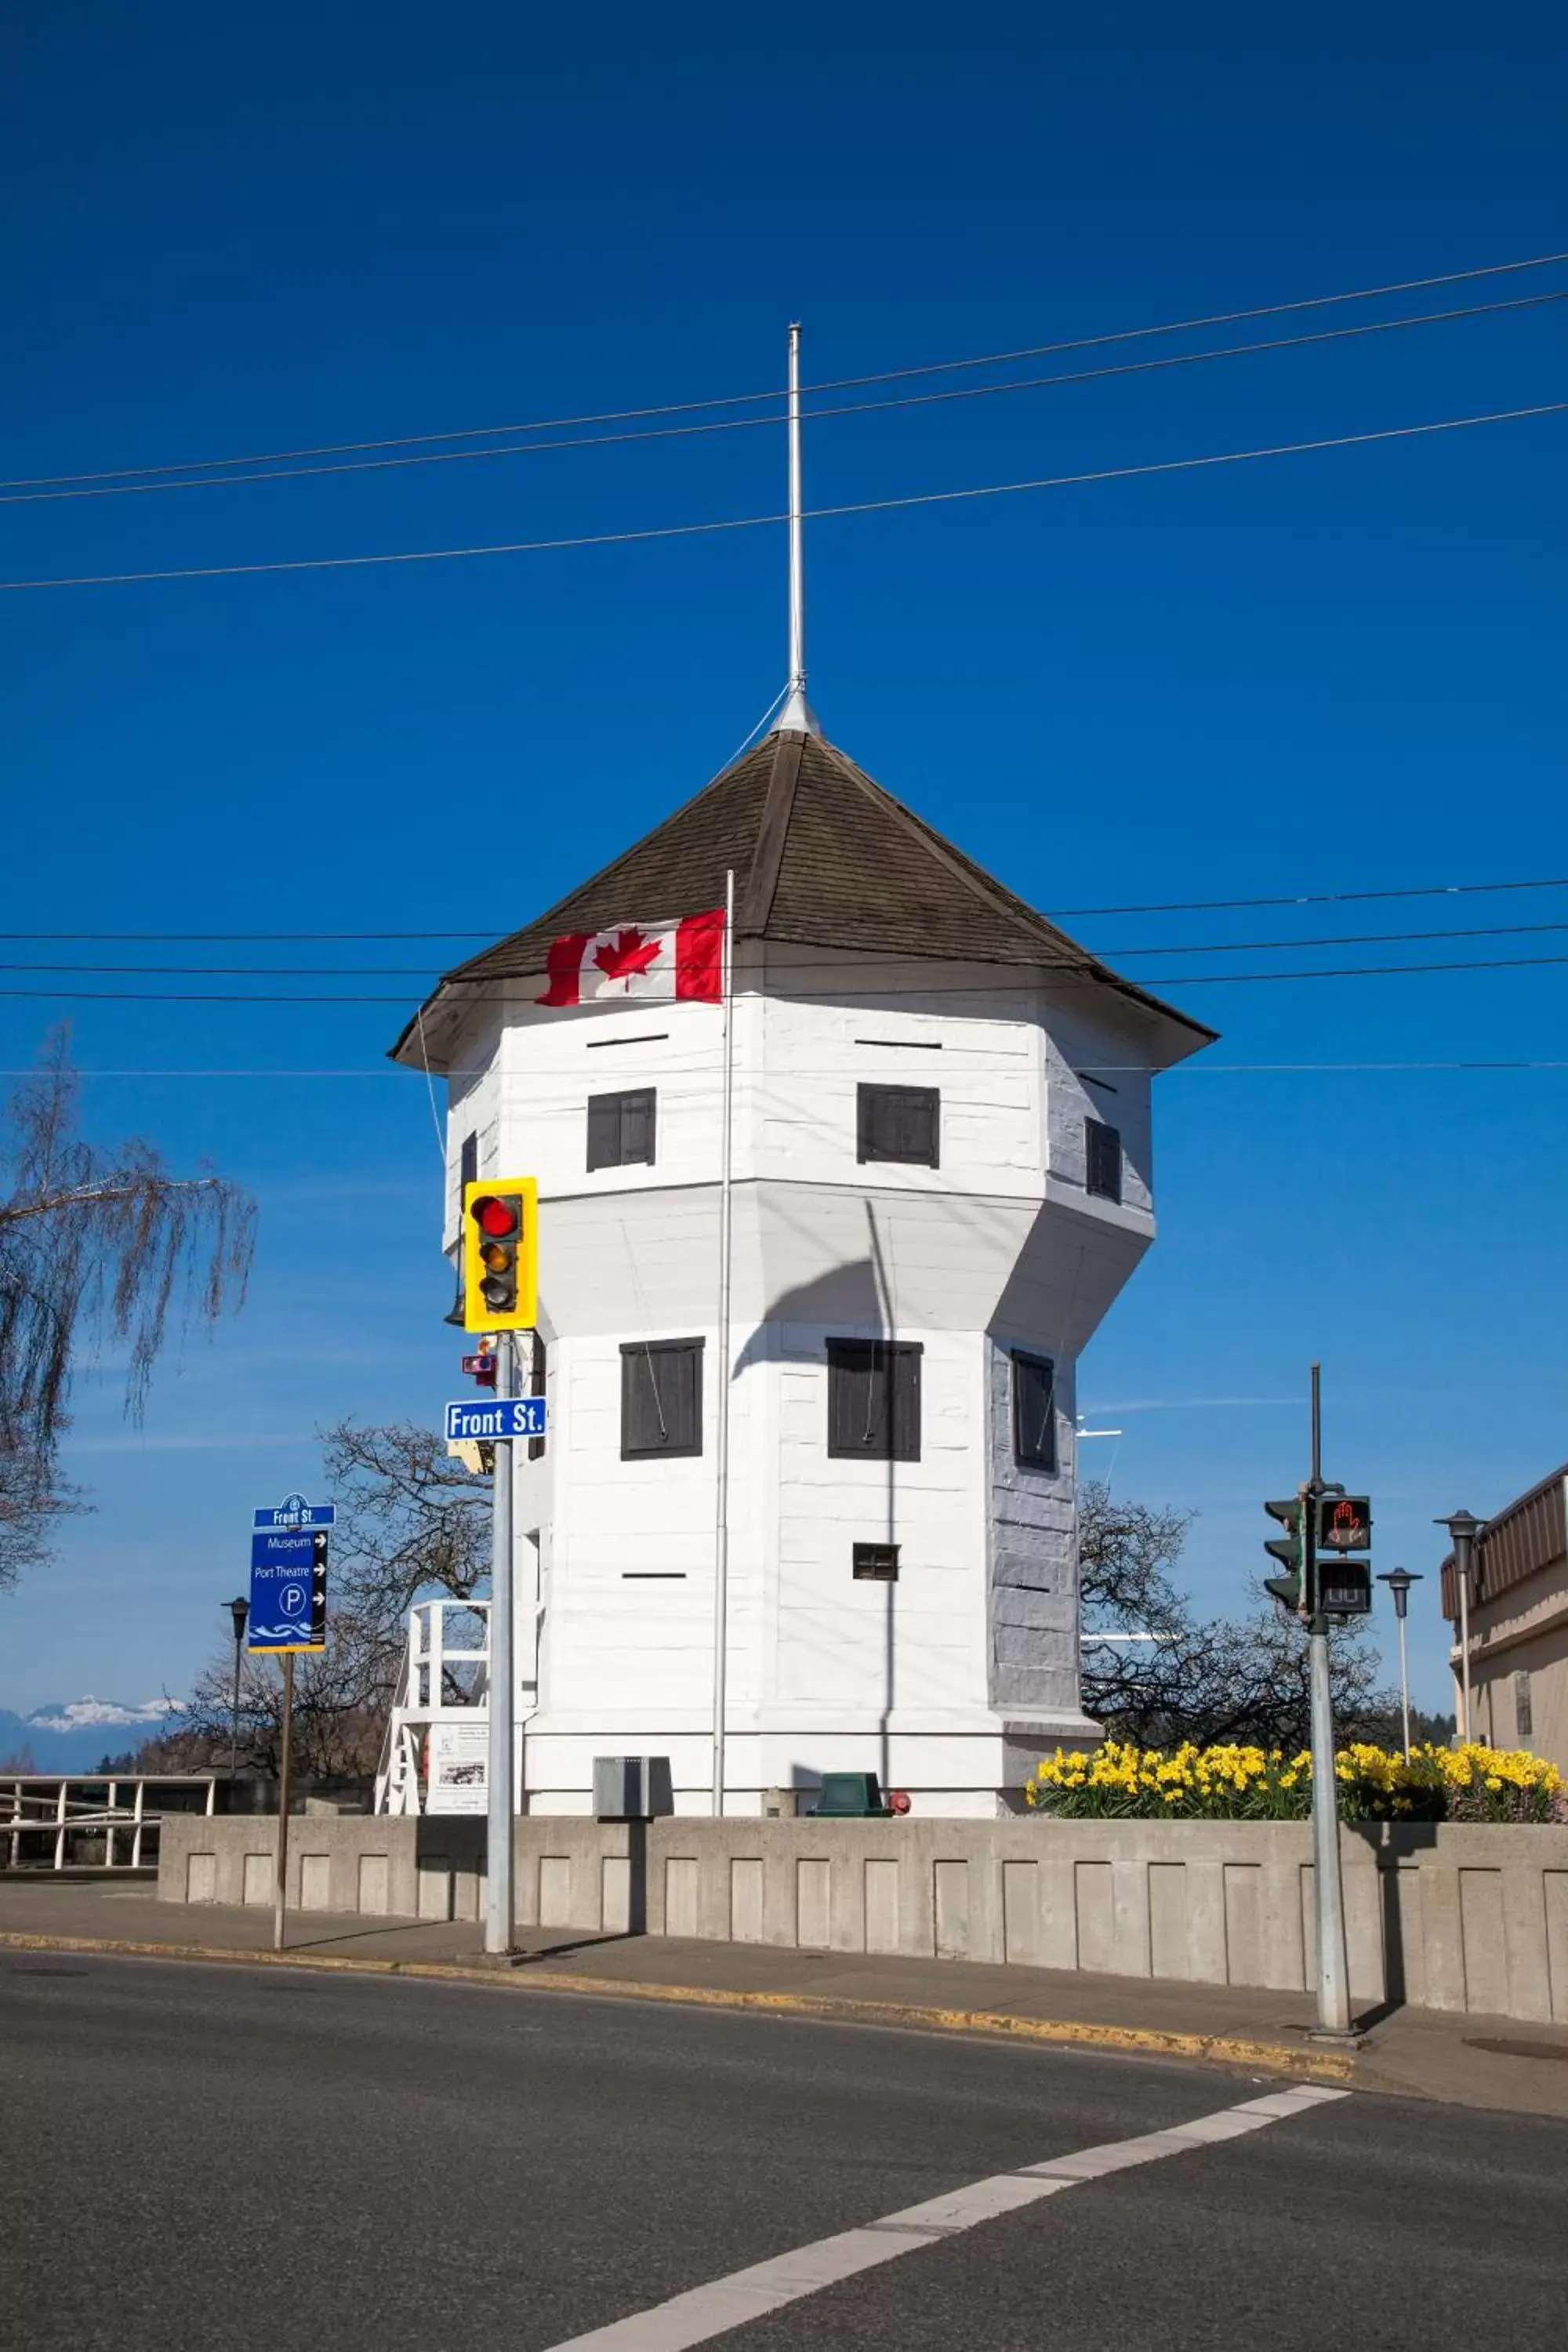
(294, 1511)
(287, 1589)
(496, 1419)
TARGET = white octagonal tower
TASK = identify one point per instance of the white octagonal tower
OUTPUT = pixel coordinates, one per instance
(941, 1180)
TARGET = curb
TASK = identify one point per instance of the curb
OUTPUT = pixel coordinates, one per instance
(1147, 2041)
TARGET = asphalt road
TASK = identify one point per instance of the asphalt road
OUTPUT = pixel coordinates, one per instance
(202, 2157)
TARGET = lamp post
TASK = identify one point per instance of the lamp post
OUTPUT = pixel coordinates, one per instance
(239, 1609)
(1463, 1530)
(1399, 1582)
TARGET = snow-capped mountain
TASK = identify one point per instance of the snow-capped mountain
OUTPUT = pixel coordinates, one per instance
(72, 1735)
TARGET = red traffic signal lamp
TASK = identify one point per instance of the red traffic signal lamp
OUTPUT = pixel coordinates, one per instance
(501, 1255)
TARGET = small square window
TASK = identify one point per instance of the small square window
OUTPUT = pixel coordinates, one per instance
(661, 1397)
(1102, 1160)
(1034, 1413)
(1523, 1718)
(874, 1400)
(875, 1563)
(899, 1123)
(621, 1128)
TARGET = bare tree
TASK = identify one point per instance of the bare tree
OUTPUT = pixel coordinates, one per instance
(1220, 1679)
(411, 1521)
(90, 1240)
(341, 1701)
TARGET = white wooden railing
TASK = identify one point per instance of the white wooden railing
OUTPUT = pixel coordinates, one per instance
(422, 1699)
(38, 1808)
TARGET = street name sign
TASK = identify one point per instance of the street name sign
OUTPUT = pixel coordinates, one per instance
(287, 1589)
(496, 1419)
(294, 1511)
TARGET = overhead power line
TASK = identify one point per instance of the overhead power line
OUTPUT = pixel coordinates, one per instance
(1285, 947)
(1298, 899)
(429, 972)
(812, 514)
(1200, 1069)
(1166, 907)
(496, 984)
(200, 481)
(777, 393)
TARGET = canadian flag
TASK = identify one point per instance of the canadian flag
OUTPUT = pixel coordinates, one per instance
(660, 962)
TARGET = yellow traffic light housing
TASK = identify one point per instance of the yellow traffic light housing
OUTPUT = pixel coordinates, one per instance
(501, 1255)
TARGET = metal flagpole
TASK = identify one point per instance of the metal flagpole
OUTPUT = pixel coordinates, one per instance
(797, 712)
(503, 1682)
(721, 1508)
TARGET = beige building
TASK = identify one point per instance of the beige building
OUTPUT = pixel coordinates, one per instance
(1519, 1625)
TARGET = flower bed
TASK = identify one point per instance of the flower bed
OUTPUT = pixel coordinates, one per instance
(1240, 1784)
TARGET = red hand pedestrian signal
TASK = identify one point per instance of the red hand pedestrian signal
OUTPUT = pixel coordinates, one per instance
(1344, 1523)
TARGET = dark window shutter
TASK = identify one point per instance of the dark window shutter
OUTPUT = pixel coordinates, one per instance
(874, 1400)
(636, 1127)
(621, 1128)
(469, 1167)
(1034, 1413)
(661, 1397)
(899, 1123)
(536, 1387)
(851, 1406)
(1102, 1160)
(906, 1383)
(604, 1131)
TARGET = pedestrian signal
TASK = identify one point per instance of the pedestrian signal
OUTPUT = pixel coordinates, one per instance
(1344, 1523)
(1345, 1587)
(501, 1255)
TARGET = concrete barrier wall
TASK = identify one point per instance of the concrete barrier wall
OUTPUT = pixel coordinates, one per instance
(1444, 1918)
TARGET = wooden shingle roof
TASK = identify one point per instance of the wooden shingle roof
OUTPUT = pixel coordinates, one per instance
(822, 857)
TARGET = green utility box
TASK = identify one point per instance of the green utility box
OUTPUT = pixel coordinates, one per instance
(850, 1797)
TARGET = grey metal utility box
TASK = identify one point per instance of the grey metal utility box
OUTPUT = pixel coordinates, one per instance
(632, 1788)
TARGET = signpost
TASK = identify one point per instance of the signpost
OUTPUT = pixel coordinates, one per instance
(498, 1422)
(288, 1591)
(289, 1547)
(294, 1511)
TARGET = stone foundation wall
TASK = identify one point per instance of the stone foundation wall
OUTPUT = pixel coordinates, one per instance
(1450, 1917)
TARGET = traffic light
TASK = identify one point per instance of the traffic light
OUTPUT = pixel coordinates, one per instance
(1286, 1550)
(501, 1255)
(1344, 1523)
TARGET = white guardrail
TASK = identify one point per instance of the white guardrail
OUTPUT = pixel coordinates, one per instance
(73, 1810)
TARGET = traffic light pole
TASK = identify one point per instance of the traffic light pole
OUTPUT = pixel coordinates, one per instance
(502, 1683)
(1333, 1962)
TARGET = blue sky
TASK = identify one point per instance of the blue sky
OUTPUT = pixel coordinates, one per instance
(1316, 673)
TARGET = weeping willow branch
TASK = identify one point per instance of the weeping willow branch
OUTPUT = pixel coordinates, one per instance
(94, 1245)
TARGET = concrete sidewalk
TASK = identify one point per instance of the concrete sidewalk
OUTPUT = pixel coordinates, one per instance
(1421, 2053)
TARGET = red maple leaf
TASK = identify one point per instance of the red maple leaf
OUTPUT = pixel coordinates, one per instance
(627, 954)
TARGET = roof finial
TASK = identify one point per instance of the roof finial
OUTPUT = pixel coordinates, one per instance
(797, 713)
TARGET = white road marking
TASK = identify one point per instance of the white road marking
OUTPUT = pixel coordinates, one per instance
(705, 2312)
